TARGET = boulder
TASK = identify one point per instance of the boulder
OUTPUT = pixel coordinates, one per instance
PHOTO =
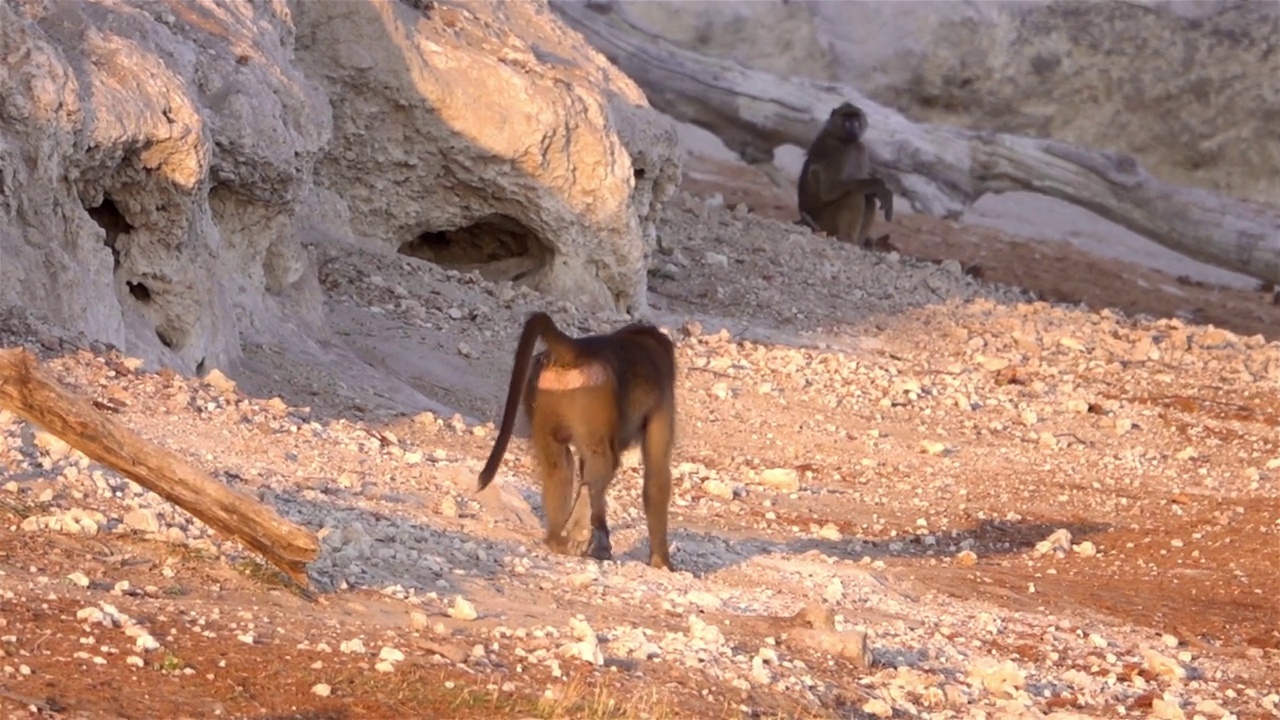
(489, 136)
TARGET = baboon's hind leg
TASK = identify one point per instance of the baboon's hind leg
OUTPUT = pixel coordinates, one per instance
(659, 432)
(844, 215)
(599, 463)
(555, 468)
(866, 221)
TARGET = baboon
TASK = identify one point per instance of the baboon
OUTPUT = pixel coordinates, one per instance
(599, 395)
(836, 193)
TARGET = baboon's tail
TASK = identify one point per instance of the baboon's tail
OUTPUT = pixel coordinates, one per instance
(539, 325)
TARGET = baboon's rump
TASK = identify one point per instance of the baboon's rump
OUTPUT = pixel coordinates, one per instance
(572, 378)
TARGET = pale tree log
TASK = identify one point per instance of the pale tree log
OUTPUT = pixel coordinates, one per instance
(941, 170)
(37, 398)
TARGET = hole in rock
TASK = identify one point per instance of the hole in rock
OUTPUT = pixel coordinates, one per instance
(200, 367)
(164, 338)
(498, 246)
(425, 6)
(110, 219)
(139, 292)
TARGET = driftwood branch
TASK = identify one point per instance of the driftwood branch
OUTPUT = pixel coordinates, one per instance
(940, 169)
(37, 398)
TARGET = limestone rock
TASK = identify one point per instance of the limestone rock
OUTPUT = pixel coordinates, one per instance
(167, 170)
(476, 131)
(154, 156)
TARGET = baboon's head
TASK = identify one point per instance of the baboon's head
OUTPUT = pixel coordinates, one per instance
(847, 122)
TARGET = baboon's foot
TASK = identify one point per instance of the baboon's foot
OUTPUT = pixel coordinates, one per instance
(559, 544)
(660, 561)
(600, 548)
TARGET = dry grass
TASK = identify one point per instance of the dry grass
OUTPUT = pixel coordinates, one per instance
(580, 697)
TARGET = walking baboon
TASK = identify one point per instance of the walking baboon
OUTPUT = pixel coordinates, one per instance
(599, 395)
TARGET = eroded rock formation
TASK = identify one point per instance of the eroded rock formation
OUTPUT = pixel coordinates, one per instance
(152, 161)
(485, 134)
(162, 164)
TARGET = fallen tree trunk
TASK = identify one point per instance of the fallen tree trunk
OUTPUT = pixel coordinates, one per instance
(941, 170)
(33, 396)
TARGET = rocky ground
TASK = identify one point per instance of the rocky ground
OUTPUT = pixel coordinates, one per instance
(900, 491)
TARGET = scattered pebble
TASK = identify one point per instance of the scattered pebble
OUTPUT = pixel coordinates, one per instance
(784, 479)
(462, 609)
(1024, 392)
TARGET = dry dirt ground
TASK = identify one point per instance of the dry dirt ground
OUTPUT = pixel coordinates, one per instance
(980, 505)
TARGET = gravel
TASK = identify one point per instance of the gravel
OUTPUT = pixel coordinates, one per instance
(847, 417)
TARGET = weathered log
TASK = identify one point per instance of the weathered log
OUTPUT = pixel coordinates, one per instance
(26, 391)
(941, 170)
